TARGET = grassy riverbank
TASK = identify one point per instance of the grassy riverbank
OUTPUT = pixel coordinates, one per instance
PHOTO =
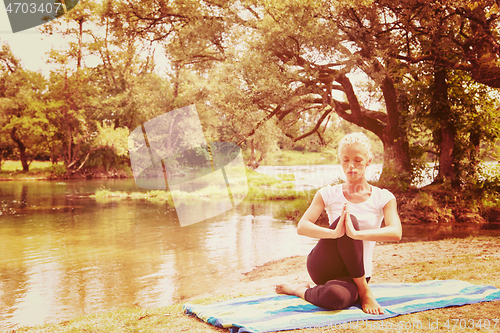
(45, 170)
(476, 260)
(431, 204)
(39, 170)
(260, 187)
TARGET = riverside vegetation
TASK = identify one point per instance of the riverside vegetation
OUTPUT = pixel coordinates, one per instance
(432, 203)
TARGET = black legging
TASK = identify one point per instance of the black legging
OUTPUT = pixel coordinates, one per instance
(332, 265)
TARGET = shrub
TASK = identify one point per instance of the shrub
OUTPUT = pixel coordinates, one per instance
(57, 170)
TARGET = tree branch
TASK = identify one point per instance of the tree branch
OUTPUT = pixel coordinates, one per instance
(260, 123)
(328, 109)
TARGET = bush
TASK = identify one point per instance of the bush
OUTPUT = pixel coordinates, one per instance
(57, 170)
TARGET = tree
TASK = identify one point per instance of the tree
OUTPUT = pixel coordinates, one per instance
(381, 39)
(293, 55)
(103, 76)
(471, 119)
(457, 34)
(22, 108)
(454, 41)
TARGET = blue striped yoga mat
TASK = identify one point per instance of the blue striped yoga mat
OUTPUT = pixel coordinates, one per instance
(273, 312)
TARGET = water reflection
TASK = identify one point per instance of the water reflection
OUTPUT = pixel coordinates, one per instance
(64, 254)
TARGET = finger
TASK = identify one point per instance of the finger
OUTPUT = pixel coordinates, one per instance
(348, 218)
(342, 215)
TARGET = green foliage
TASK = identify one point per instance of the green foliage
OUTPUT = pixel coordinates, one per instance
(394, 180)
(23, 121)
(195, 157)
(110, 137)
(264, 187)
(269, 76)
(292, 210)
(425, 199)
(286, 176)
(258, 179)
(292, 157)
(489, 179)
(105, 195)
(57, 170)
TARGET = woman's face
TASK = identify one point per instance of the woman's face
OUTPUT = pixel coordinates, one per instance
(354, 161)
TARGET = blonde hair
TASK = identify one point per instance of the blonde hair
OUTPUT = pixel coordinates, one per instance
(361, 139)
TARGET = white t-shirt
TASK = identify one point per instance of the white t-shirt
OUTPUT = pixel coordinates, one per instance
(369, 213)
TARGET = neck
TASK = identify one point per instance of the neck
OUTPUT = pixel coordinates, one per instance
(357, 186)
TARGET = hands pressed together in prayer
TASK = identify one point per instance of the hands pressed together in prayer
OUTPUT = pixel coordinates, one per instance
(345, 225)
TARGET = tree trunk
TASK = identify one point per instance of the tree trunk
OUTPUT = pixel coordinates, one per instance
(397, 170)
(253, 163)
(447, 145)
(440, 109)
(22, 149)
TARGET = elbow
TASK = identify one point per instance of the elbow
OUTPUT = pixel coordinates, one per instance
(300, 228)
(398, 235)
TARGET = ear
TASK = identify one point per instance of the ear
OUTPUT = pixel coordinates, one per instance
(369, 162)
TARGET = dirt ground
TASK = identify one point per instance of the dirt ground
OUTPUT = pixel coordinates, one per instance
(387, 258)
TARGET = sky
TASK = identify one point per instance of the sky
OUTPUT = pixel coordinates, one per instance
(29, 45)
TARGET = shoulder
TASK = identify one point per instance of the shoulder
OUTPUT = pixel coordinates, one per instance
(381, 191)
(383, 196)
(331, 188)
(330, 192)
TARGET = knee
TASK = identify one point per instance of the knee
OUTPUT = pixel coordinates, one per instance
(355, 222)
(334, 223)
(335, 297)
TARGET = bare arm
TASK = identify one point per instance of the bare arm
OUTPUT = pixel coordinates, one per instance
(392, 231)
(307, 226)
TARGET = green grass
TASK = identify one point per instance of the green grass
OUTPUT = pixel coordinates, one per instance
(162, 319)
(286, 176)
(35, 166)
(37, 170)
(260, 187)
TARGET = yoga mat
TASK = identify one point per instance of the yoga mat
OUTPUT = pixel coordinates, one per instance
(273, 312)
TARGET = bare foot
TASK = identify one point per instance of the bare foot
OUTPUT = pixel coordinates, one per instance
(295, 290)
(370, 304)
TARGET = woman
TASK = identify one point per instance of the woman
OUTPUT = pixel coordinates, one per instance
(341, 263)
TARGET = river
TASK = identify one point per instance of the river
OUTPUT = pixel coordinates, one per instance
(65, 254)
